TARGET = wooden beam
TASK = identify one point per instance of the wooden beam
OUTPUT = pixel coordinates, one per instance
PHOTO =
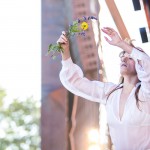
(117, 19)
(146, 4)
(73, 118)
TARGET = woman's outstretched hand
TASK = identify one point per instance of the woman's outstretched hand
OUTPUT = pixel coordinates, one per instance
(64, 42)
(115, 38)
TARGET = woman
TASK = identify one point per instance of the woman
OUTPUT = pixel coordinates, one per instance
(127, 104)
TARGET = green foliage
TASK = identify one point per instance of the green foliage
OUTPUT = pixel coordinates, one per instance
(2, 95)
(19, 124)
(74, 28)
(54, 48)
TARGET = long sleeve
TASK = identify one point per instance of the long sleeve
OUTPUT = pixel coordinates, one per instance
(142, 65)
(72, 78)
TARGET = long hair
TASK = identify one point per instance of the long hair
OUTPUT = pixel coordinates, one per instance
(119, 86)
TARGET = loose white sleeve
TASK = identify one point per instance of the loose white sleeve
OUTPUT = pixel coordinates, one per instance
(142, 65)
(73, 80)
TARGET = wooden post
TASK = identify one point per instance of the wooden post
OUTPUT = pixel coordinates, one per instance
(147, 11)
(54, 95)
(117, 19)
(85, 114)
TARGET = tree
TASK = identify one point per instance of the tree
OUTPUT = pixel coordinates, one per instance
(19, 124)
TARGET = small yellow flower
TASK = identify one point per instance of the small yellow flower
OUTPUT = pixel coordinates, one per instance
(84, 25)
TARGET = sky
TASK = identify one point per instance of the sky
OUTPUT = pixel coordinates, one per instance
(20, 48)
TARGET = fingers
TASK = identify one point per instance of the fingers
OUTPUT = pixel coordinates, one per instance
(106, 31)
(64, 33)
(63, 39)
(107, 40)
(109, 31)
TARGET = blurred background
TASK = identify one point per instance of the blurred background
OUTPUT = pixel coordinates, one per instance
(36, 111)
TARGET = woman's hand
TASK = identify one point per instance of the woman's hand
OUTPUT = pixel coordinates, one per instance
(115, 38)
(64, 42)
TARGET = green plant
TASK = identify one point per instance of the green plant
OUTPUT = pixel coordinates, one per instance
(77, 27)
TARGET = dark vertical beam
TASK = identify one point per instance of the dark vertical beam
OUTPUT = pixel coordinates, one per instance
(136, 5)
(143, 35)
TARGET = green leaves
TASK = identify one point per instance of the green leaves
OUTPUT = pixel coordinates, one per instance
(54, 48)
(74, 28)
(19, 124)
(2, 96)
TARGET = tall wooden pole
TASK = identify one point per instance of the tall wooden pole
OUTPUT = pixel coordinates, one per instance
(117, 19)
(54, 95)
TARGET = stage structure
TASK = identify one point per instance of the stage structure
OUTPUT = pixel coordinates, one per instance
(54, 95)
(66, 119)
(60, 108)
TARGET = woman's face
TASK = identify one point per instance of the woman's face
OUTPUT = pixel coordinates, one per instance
(127, 65)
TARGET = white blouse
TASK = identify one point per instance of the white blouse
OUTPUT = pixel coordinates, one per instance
(132, 131)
